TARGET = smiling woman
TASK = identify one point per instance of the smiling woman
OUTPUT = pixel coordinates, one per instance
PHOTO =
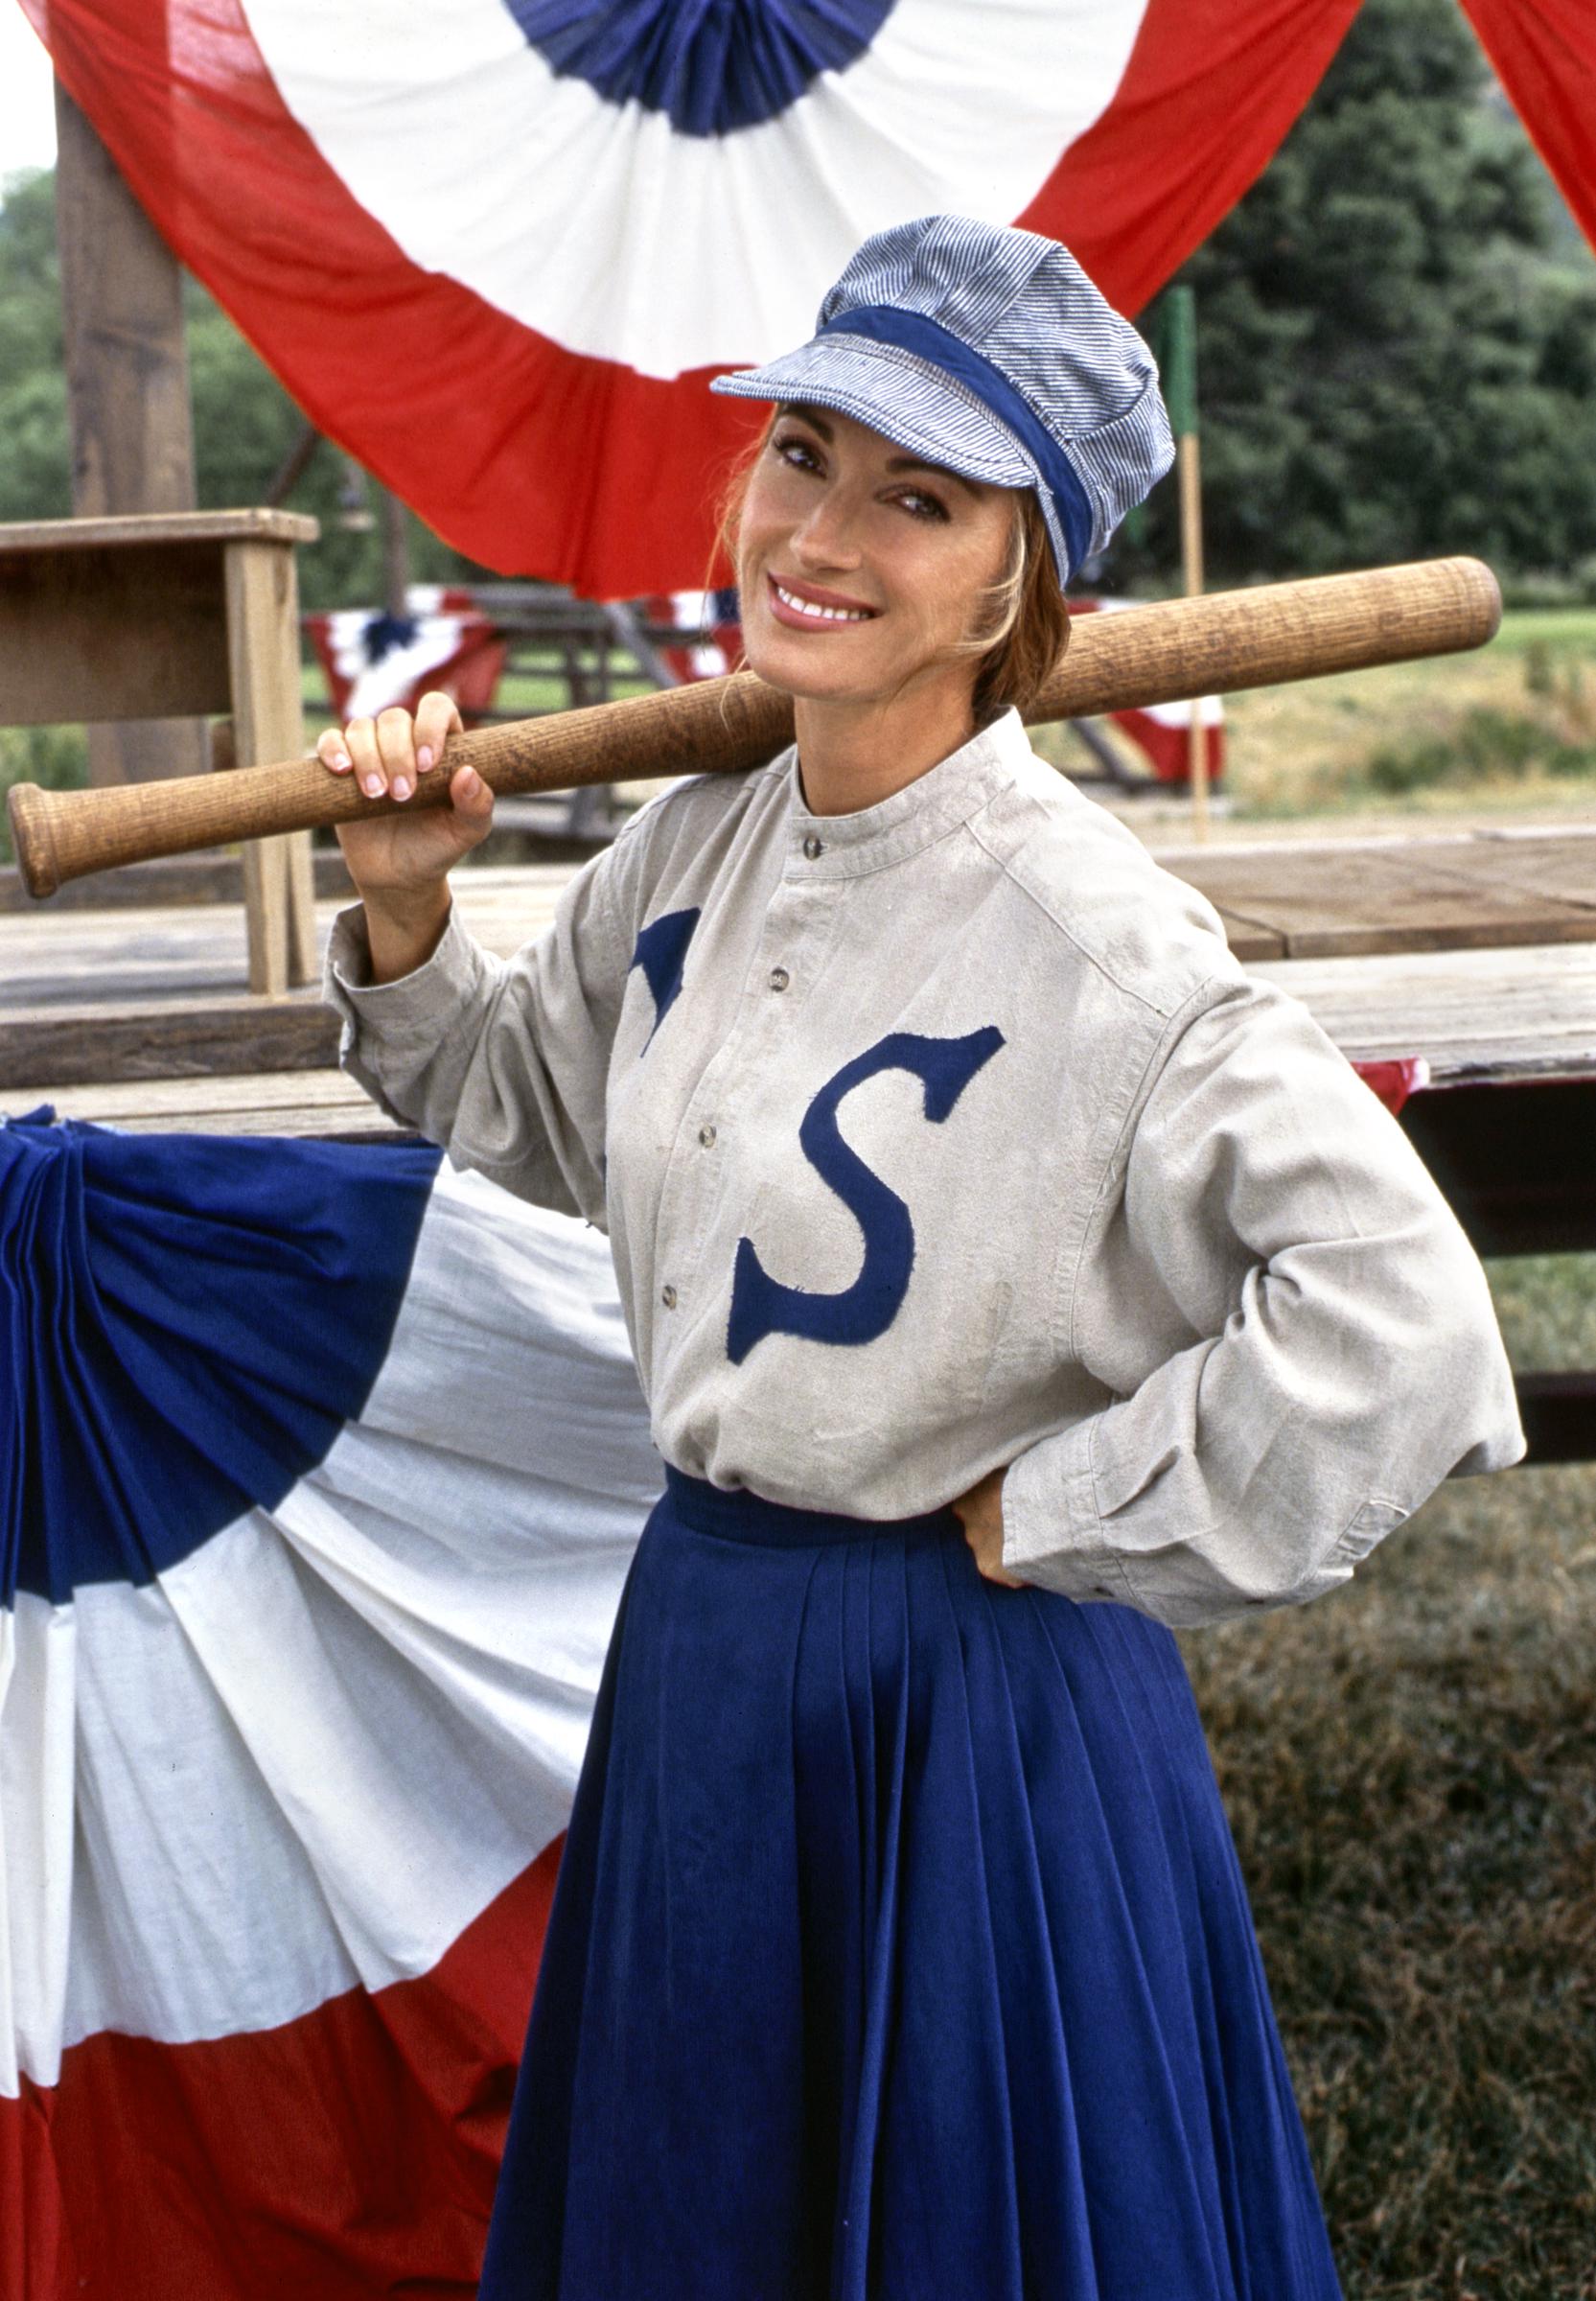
(992, 575)
(1011, 1279)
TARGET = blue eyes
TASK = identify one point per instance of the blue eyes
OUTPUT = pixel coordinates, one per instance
(931, 508)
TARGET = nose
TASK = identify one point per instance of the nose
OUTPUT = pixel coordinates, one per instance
(827, 538)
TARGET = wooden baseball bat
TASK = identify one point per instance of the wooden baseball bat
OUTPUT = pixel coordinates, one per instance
(1163, 653)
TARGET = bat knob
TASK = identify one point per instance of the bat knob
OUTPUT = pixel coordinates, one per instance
(34, 838)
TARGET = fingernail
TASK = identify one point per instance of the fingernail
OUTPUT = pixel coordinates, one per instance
(339, 762)
(372, 785)
(424, 758)
(401, 786)
(469, 780)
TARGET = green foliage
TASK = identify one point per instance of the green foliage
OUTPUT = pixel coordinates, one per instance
(1484, 745)
(35, 467)
(56, 758)
(1397, 349)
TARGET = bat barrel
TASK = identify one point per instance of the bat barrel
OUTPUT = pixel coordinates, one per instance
(1163, 653)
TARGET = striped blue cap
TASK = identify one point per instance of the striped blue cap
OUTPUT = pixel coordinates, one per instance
(987, 349)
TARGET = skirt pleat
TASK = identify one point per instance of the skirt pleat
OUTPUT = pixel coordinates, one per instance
(899, 1951)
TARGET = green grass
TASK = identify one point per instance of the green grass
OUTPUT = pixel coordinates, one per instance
(1410, 1771)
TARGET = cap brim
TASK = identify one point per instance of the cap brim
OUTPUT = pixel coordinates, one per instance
(894, 392)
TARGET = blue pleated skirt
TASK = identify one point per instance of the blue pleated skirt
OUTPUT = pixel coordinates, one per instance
(899, 1951)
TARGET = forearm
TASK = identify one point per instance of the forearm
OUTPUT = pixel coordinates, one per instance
(403, 930)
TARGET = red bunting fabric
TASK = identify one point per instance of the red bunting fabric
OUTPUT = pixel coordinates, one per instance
(1544, 52)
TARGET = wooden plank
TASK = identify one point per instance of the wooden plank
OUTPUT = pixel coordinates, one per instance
(1327, 900)
(90, 636)
(203, 1039)
(1564, 869)
(323, 1103)
(255, 523)
(1515, 1013)
(50, 957)
(210, 877)
(263, 639)
(1518, 1013)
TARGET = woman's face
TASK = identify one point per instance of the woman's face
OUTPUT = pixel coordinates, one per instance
(838, 517)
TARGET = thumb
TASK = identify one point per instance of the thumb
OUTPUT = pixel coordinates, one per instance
(472, 804)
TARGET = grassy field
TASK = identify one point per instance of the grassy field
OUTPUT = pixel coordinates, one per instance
(1410, 1770)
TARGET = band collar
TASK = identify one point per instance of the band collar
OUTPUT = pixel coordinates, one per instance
(836, 846)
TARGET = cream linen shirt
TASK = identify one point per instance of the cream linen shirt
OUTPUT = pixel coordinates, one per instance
(948, 1134)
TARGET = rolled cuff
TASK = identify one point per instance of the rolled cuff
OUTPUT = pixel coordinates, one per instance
(1053, 1531)
(416, 1006)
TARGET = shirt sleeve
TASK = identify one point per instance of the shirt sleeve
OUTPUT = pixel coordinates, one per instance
(1328, 1348)
(502, 1061)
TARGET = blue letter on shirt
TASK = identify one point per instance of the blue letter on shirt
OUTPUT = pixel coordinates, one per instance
(660, 951)
(760, 1305)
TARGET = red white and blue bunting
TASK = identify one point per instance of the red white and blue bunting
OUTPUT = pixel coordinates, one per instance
(497, 250)
(322, 1471)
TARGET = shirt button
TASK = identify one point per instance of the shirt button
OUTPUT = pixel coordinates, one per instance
(779, 978)
(706, 1136)
(814, 848)
(667, 1297)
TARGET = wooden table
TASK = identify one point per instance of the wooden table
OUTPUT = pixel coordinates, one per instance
(172, 615)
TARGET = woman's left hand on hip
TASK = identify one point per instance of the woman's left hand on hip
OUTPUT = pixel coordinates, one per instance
(980, 1511)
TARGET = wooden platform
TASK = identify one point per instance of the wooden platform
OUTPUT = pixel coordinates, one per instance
(1443, 892)
(1476, 949)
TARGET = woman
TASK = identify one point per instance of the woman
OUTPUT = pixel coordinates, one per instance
(1011, 1278)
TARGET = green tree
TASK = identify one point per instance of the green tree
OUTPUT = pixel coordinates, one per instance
(245, 423)
(1397, 349)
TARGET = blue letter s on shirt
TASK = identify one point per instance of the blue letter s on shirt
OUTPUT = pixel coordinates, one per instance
(760, 1305)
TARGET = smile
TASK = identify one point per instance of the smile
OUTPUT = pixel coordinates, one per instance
(813, 611)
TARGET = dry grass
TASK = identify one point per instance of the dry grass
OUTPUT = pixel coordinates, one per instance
(1410, 1771)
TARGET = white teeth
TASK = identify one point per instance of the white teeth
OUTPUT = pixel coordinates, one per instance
(822, 615)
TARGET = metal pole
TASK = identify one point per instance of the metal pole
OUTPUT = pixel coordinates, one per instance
(1180, 386)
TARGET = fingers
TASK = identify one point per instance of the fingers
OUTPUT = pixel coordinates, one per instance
(354, 751)
(390, 753)
(437, 718)
(334, 752)
(396, 748)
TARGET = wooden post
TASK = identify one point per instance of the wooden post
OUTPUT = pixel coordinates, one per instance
(1180, 383)
(263, 645)
(396, 555)
(128, 393)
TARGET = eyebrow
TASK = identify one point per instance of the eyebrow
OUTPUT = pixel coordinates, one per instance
(895, 463)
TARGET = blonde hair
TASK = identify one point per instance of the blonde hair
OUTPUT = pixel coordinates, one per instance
(1022, 625)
